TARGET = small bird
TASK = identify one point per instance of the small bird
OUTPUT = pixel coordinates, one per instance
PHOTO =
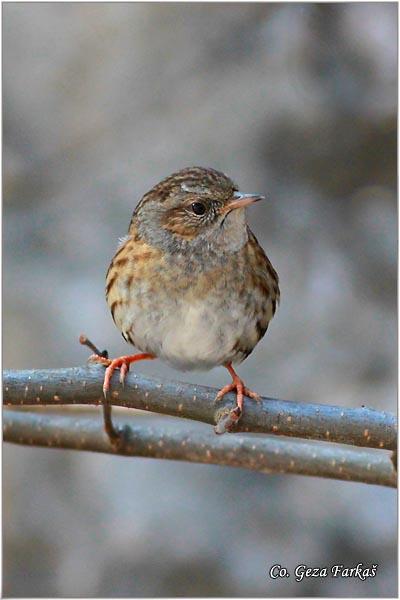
(190, 284)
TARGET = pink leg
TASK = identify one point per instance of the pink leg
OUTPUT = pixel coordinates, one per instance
(122, 363)
(238, 385)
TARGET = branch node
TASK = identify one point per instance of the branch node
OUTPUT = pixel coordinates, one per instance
(227, 420)
(120, 438)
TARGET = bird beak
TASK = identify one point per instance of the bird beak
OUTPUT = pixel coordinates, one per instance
(242, 200)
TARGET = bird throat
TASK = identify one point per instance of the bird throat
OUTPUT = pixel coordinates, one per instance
(210, 247)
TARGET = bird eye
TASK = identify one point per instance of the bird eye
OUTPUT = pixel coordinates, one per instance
(198, 208)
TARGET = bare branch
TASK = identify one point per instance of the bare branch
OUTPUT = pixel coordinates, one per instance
(168, 439)
(357, 426)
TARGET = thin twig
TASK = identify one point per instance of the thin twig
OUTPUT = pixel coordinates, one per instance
(86, 342)
(357, 426)
(168, 439)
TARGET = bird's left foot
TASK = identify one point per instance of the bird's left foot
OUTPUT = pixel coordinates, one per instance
(241, 391)
(115, 435)
(122, 363)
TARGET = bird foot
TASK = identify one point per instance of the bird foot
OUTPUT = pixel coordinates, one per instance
(115, 434)
(227, 422)
(99, 359)
(240, 389)
(122, 363)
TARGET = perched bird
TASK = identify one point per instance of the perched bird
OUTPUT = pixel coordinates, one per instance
(190, 284)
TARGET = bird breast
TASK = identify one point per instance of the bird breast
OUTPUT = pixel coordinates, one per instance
(191, 315)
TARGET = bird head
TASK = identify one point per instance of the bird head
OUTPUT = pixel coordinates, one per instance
(194, 205)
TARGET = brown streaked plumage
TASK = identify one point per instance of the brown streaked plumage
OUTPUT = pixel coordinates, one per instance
(190, 284)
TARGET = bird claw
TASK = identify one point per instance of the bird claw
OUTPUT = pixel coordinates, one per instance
(124, 368)
(251, 394)
(228, 422)
(121, 363)
(99, 359)
(225, 390)
(116, 436)
(233, 386)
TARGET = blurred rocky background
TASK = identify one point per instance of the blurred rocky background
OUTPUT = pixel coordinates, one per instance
(297, 101)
